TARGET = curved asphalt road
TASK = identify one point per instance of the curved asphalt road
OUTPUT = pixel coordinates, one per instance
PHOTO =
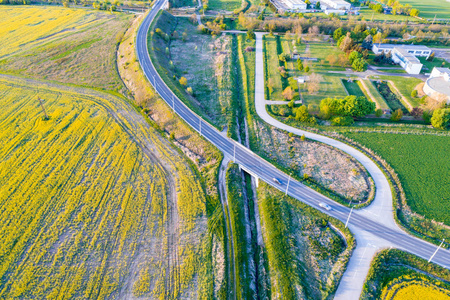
(359, 223)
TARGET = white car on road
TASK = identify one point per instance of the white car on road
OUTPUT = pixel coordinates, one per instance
(324, 205)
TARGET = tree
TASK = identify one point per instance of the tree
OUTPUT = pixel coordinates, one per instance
(347, 43)
(282, 71)
(377, 38)
(283, 57)
(250, 35)
(183, 81)
(342, 121)
(307, 69)
(350, 106)
(337, 34)
(417, 112)
(368, 42)
(397, 115)
(302, 115)
(293, 83)
(353, 56)
(414, 12)
(299, 64)
(288, 93)
(414, 93)
(270, 86)
(359, 65)
(332, 59)
(378, 113)
(317, 5)
(441, 118)
(314, 83)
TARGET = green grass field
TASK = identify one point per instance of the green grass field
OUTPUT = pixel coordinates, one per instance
(86, 209)
(369, 15)
(429, 65)
(423, 168)
(431, 8)
(228, 5)
(353, 88)
(76, 46)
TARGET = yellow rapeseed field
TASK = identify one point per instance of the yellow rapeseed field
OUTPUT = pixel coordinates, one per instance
(22, 27)
(90, 200)
(67, 45)
(415, 289)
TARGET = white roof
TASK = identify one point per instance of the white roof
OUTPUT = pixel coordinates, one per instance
(411, 47)
(410, 57)
(443, 70)
(296, 1)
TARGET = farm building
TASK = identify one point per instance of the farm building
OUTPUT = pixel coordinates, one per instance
(295, 4)
(437, 85)
(337, 4)
(404, 55)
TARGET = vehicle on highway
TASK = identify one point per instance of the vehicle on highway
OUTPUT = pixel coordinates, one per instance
(324, 205)
(276, 180)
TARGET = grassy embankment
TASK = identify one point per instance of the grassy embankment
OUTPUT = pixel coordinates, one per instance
(398, 275)
(205, 62)
(305, 257)
(207, 158)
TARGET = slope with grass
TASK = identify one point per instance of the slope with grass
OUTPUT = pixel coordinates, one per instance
(305, 256)
(76, 46)
(93, 199)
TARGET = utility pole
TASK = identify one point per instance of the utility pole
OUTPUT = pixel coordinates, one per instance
(434, 20)
(348, 219)
(43, 108)
(436, 250)
(287, 187)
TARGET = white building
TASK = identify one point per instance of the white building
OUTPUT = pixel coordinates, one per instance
(295, 4)
(407, 60)
(405, 55)
(437, 85)
(336, 4)
(416, 50)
